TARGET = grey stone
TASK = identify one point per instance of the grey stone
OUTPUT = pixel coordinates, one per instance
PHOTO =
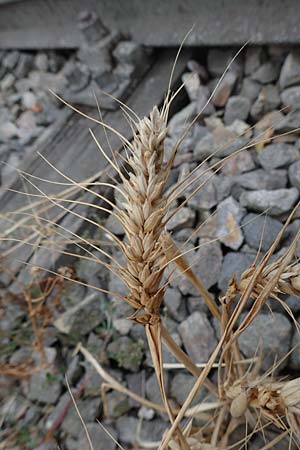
(291, 97)
(239, 163)
(45, 387)
(294, 360)
(41, 61)
(266, 73)
(24, 65)
(253, 59)
(294, 174)
(127, 428)
(292, 302)
(290, 71)
(274, 202)
(233, 264)
(260, 231)
(152, 388)
(89, 409)
(272, 332)
(204, 147)
(29, 100)
(181, 385)
(224, 89)
(250, 89)
(191, 83)
(237, 107)
(173, 301)
(47, 446)
(289, 122)
(182, 118)
(81, 318)
(11, 59)
(203, 105)
(127, 353)
(153, 430)
(198, 337)
(97, 436)
(229, 215)
(184, 218)
(277, 155)
(22, 355)
(206, 264)
(196, 304)
(12, 316)
(267, 100)
(205, 196)
(167, 355)
(260, 179)
(114, 225)
(7, 82)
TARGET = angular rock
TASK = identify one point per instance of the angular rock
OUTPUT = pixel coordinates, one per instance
(233, 263)
(203, 105)
(266, 73)
(153, 430)
(89, 409)
(97, 435)
(260, 231)
(82, 318)
(181, 385)
(229, 215)
(294, 360)
(152, 388)
(273, 203)
(291, 97)
(278, 155)
(250, 89)
(184, 218)
(260, 179)
(253, 59)
(239, 163)
(127, 428)
(294, 174)
(271, 331)
(290, 71)
(45, 387)
(224, 89)
(198, 337)
(237, 107)
(127, 353)
(206, 263)
(173, 301)
(191, 84)
(267, 101)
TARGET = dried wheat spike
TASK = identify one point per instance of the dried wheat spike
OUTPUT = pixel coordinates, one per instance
(142, 217)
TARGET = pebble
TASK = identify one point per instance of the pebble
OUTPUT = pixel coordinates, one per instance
(229, 216)
(181, 386)
(41, 62)
(97, 435)
(239, 163)
(198, 337)
(233, 263)
(173, 300)
(127, 427)
(184, 218)
(237, 107)
(127, 353)
(89, 409)
(294, 359)
(46, 446)
(260, 231)
(250, 89)
(267, 100)
(11, 59)
(253, 59)
(45, 387)
(8, 130)
(273, 332)
(152, 389)
(291, 97)
(7, 82)
(29, 100)
(294, 174)
(277, 155)
(205, 262)
(81, 318)
(274, 202)
(290, 71)
(224, 89)
(191, 84)
(266, 73)
(260, 179)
